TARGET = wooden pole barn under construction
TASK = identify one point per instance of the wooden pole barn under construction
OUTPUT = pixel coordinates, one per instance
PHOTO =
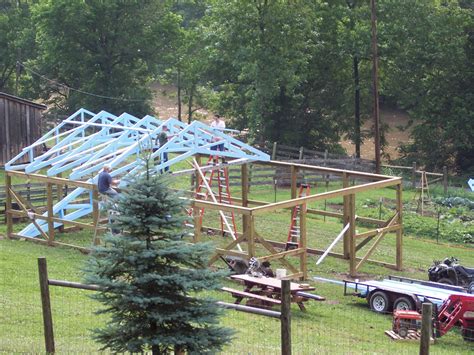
(123, 136)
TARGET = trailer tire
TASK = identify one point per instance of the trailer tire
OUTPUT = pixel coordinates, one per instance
(403, 304)
(379, 302)
(470, 288)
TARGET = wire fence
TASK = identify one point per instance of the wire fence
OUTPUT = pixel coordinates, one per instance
(339, 325)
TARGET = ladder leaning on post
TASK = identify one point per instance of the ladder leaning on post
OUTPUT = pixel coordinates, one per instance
(293, 240)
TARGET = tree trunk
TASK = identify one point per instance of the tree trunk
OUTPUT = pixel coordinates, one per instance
(190, 104)
(179, 93)
(357, 138)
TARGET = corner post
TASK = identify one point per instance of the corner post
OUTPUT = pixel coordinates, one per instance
(8, 204)
(351, 233)
(294, 178)
(245, 196)
(399, 256)
(303, 242)
(346, 216)
(49, 192)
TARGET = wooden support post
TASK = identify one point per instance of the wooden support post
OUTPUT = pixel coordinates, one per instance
(274, 151)
(59, 197)
(49, 193)
(285, 317)
(245, 197)
(294, 180)
(445, 179)
(413, 176)
(95, 215)
(427, 309)
(197, 220)
(303, 243)
(399, 256)
(351, 233)
(251, 237)
(346, 216)
(46, 306)
(8, 205)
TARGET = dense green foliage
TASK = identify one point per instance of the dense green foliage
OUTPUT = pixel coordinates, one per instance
(297, 72)
(151, 278)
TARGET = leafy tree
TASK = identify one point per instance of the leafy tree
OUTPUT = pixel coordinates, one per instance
(151, 278)
(17, 43)
(102, 47)
(266, 70)
(428, 70)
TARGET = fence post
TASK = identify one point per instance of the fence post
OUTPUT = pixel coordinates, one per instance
(46, 306)
(274, 151)
(445, 179)
(427, 309)
(301, 153)
(285, 318)
(413, 176)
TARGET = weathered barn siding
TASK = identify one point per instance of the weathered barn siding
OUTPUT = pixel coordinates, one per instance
(20, 125)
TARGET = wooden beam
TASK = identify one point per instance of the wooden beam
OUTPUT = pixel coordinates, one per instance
(49, 195)
(271, 249)
(240, 254)
(374, 232)
(377, 241)
(245, 196)
(282, 254)
(352, 251)
(222, 207)
(325, 195)
(55, 219)
(294, 178)
(53, 180)
(347, 217)
(303, 242)
(399, 256)
(324, 170)
(52, 243)
(216, 256)
(8, 205)
(25, 211)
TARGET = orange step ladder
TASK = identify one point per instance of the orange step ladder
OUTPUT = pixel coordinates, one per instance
(217, 177)
(293, 240)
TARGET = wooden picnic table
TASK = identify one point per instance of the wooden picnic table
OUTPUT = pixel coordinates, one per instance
(267, 290)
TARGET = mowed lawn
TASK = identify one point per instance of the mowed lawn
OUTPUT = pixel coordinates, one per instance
(339, 325)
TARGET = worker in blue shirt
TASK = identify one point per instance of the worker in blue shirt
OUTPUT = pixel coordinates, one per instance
(105, 182)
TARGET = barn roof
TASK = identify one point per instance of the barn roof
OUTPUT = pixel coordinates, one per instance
(22, 101)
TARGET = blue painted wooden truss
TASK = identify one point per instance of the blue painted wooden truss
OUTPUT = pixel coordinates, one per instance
(84, 142)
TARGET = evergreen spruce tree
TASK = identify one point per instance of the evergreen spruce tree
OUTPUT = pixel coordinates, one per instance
(150, 278)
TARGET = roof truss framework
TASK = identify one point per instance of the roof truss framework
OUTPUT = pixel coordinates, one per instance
(85, 142)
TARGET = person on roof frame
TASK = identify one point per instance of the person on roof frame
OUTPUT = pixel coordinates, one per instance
(105, 182)
(218, 123)
(160, 141)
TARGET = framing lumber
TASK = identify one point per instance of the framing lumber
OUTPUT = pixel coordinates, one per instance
(51, 179)
(326, 195)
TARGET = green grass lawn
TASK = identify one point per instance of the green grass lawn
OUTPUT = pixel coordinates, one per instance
(339, 325)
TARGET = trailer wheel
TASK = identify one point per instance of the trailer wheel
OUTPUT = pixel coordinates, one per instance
(403, 332)
(379, 302)
(403, 304)
(468, 334)
(470, 288)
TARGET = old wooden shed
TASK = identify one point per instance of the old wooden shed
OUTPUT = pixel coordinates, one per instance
(20, 125)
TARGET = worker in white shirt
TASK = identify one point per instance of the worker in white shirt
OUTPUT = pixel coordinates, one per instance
(219, 123)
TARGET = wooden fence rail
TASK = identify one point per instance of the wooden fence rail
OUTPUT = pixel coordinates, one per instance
(44, 282)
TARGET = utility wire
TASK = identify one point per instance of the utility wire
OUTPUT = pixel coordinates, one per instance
(74, 89)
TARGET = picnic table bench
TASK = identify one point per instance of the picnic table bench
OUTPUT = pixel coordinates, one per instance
(266, 291)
